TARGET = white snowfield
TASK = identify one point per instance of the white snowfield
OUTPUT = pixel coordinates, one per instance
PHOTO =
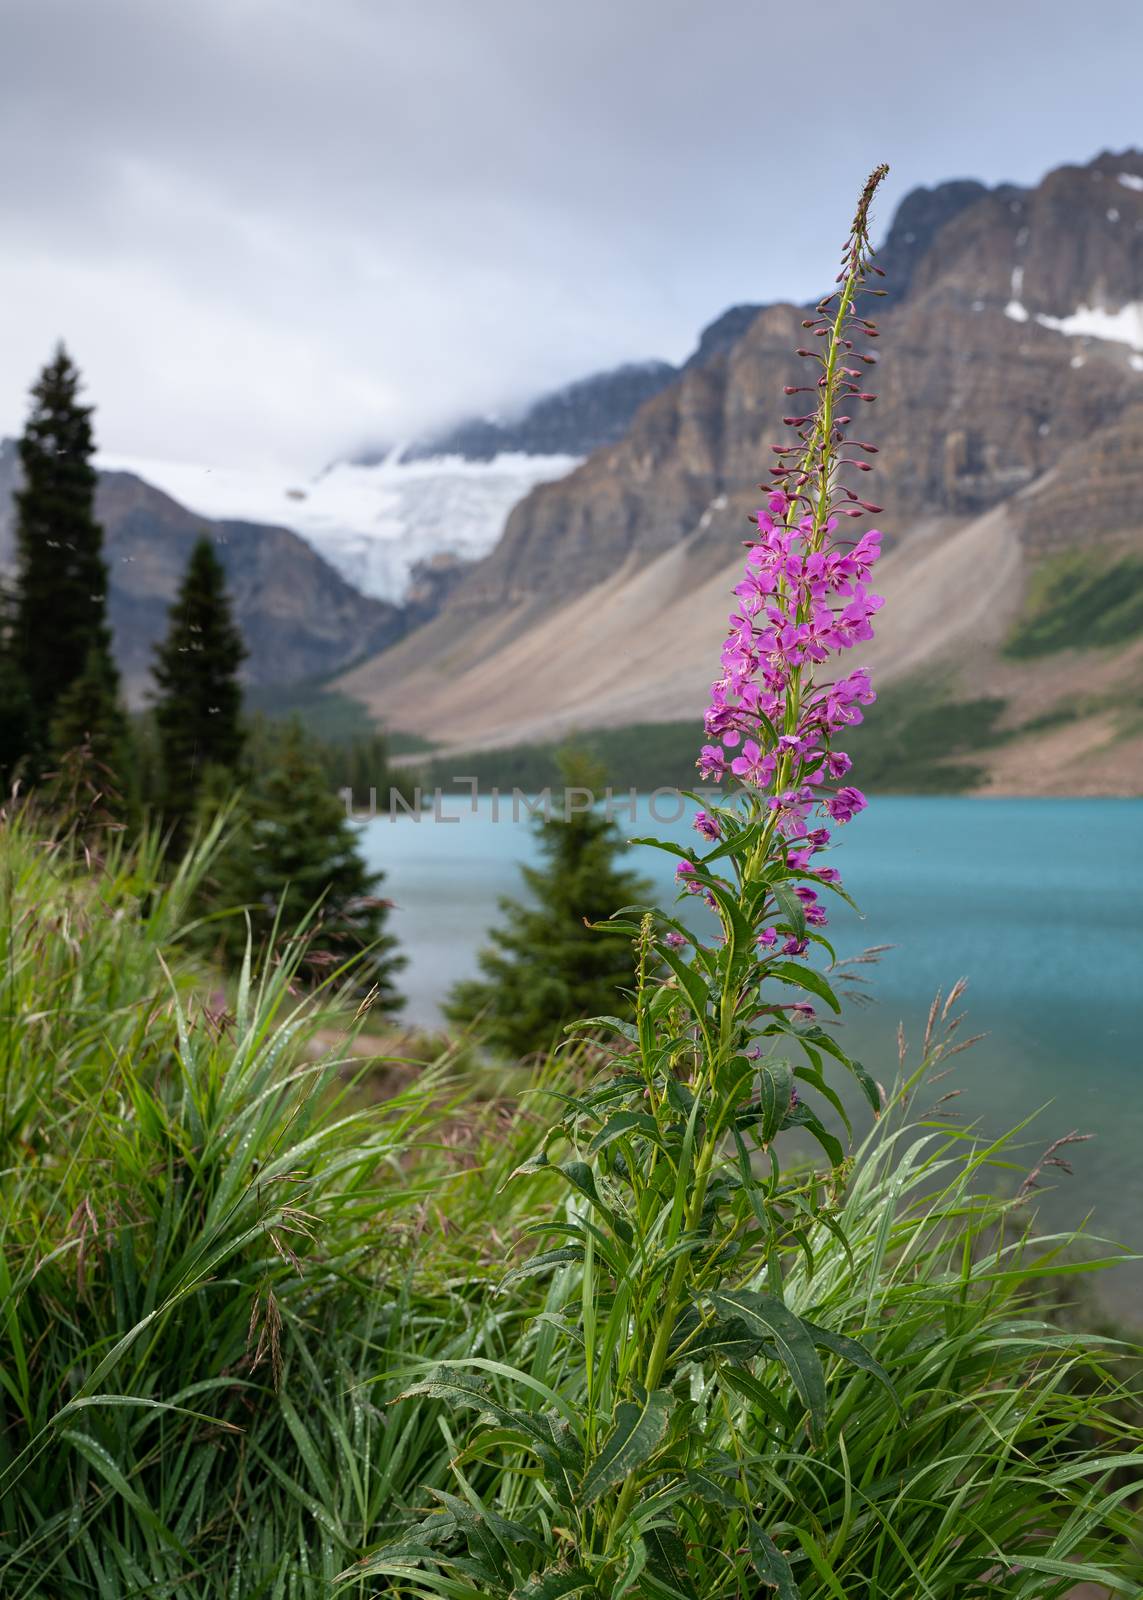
(1124, 326)
(371, 523)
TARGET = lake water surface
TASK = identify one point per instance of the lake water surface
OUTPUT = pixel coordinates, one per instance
(1038, 903)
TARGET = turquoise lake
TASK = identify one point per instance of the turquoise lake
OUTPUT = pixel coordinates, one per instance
(1037, 903)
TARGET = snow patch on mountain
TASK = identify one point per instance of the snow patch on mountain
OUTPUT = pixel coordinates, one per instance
(372, 523)
(1124, 326)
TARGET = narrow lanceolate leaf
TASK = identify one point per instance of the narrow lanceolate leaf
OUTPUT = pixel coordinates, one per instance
(792, 909)
(802, 1117)
(775, 1080)
(625, 1123)
(855, 1353)
(410, 1548)
(770, 1319)
(728, 1339)
(627, 1030)
(640, 1428)
(691, 984)
(808, 978)
(541, 1263)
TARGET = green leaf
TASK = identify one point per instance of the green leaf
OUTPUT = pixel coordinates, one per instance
(743, 840)
(851, 1350)
(771, 1565)
(711, 1492)
(667, 1559)
(814, 1078)
(582, 1178)
(770, 1319)
(792, 908)
(538, 1163)
(540, 1263)
(775, 1080)
(681, 852)
(729, 1339)
(415, 1545)
(625, 1122)
(802, 977)
(748, 1387)
(615, 1024)
(803, 1117)
(691, 984)
(639, 1430)
(741, 941)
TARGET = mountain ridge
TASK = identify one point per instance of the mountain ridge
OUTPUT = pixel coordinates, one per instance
(977, 405)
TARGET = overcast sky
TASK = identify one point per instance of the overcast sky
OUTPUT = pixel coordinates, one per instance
(270, 229)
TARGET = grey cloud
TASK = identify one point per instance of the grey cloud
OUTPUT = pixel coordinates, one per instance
(271, 227)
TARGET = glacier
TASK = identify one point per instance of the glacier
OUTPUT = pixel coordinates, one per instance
(372, 523)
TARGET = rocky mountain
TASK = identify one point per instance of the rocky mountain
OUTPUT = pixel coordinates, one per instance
(299, 618)
(1014, 339)
(596, 411)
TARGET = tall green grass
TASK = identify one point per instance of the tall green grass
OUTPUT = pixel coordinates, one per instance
(211, 1243)
(222, 1263)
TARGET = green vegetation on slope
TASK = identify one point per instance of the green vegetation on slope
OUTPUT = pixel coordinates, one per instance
(1079, 600)
(644, 756)
(914, 740)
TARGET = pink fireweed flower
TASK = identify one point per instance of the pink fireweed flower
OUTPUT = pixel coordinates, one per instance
(814, 913)
(674, 940)
(707, 826)
(768, 938)
(845, 804)
(686, 876)
(754, 765)
(711, 763)
(755, 589)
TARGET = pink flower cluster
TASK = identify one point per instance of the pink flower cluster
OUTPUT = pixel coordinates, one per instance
(803, 599)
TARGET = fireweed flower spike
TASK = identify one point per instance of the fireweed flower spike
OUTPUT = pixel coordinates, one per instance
(673, 1383)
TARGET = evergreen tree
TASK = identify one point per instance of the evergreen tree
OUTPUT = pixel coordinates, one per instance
(61, 613)
(199, 706)
(544, 966)
(18, 738)
(90, 718)
(292, 846)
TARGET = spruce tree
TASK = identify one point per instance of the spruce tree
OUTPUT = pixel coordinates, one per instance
(292, 847)
(544, 967)
(61, 610)
(18, 736)
(198, 712)
(90, 719)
